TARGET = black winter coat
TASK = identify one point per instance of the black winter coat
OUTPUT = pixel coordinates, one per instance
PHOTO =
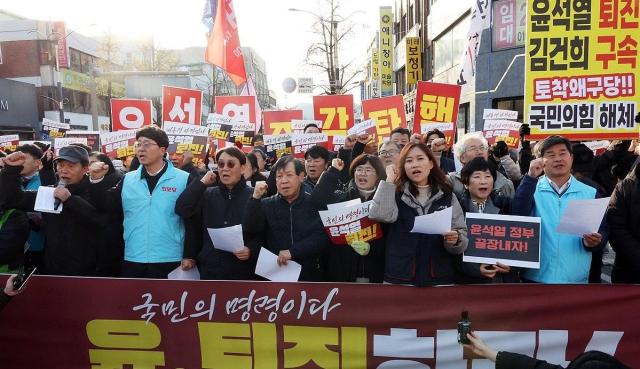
(73, 236)
(623, 218)
(343, 264)
(217, 207)
(13, 235)
(295, 227)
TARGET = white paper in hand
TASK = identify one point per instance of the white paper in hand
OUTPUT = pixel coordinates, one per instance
(346, 204)
(268, 268)
(45, 202)
(192, 274)
(583, 216)
(438, 222)
(227, 239)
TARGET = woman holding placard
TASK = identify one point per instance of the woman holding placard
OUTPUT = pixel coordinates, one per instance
(362, 259)
(417, 187)
(478, 177)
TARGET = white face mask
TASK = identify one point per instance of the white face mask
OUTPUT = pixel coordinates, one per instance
(212, 166)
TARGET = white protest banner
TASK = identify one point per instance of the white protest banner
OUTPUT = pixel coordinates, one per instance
(499, 114)
(502, 130)
(187, 137)
(9, 143)
(278, 145)
(297, 125)
(52, 129)
(117, 145)
(61, 142)
(367, 126)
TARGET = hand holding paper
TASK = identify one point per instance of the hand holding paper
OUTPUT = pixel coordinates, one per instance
(583, 217)
(269, 268)
(438, 222)
(227, 239)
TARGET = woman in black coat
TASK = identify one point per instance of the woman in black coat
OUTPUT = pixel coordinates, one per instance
(344, 262)
(221, 206)
(252, 170)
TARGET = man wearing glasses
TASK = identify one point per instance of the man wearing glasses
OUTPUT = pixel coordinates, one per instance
(154, 234)
(468, 147)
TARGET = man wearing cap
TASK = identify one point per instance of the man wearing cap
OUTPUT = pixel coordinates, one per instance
(154, 234)
(70, 247)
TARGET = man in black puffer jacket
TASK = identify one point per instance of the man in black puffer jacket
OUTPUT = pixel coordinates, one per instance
(289, 220)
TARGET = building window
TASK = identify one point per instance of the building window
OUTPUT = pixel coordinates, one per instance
(76, 63)
(449, 48)
(510, 103)
(462, 125)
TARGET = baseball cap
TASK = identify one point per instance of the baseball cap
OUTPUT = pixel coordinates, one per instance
(74, 154)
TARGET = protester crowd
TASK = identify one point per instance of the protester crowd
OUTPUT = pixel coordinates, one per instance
(154, 215)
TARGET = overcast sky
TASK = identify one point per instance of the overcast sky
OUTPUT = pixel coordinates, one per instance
(277, 34)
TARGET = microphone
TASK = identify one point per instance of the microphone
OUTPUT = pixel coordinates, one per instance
(56, 203)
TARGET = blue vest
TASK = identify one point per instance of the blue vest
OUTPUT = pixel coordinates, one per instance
(36, 238)
(563, 257)
(153, 232)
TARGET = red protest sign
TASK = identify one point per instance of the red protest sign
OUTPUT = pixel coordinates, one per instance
(335, 112)
(244, 324)
(277, 122)
(436, 103)
(238, 108)
(130, 114)
(187, 137)
(388, 112)
(510, 240)
(345, 223)
(181, 105)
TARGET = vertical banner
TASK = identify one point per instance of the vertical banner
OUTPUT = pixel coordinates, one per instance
(386, 51)
(509, 24)
(93, 138)
(187, 137)
(375, 72)
(9, 143)
(130, 114)
(279, 121)
(414, 60)
(52, 129)
(241, 109)
(388, 112)
(118, 145)
(181, 105)
(436, 103)
(582, 69)
(59, 28)
(335, 112)
(480, 20)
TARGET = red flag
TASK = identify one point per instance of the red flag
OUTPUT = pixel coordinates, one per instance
(223, 46)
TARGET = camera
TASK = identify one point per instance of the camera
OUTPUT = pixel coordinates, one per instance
(464, 328)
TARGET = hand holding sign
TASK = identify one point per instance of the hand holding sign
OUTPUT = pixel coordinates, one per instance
(416, 138)
(536, 168)
(349, 142)
(438, 145)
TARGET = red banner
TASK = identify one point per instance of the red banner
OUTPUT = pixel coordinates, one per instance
(63, 322)
(436, 103)
(502, 130)
(388, 112)
(60, 31)
(278, 122)
(118, 145)
(335, 112)
(239, 108)
(181, 105)
(130, 114)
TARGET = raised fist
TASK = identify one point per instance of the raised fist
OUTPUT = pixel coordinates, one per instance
(536, 168)
(338, 164)
(392, 173)
(260, 190)
(98, 170)
(209, 178)
(16, 159)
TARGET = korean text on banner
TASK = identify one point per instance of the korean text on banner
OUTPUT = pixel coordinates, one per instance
(345, 224)
(507, 239)
(279, 121)
(414, 60)
(582, 69)
(52, 129)
(181, 105)
(436, 103)
(386, 51)
(238, 108)
(187, 137)
(388, 112)
(130, 114)
(118, 145)
(335, 112)
(9, 143)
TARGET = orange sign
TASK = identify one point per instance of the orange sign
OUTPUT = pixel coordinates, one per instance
(278, 122)
(388, 112)
(335, 112)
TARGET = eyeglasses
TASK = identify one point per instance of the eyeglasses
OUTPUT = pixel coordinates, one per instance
(144, 145)
(388, 152)
(367, 171)
(476, 148)
(228, 164)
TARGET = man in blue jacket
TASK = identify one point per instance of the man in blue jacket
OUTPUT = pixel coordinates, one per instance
(154, 234)
(564, 258)
(289, 220)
